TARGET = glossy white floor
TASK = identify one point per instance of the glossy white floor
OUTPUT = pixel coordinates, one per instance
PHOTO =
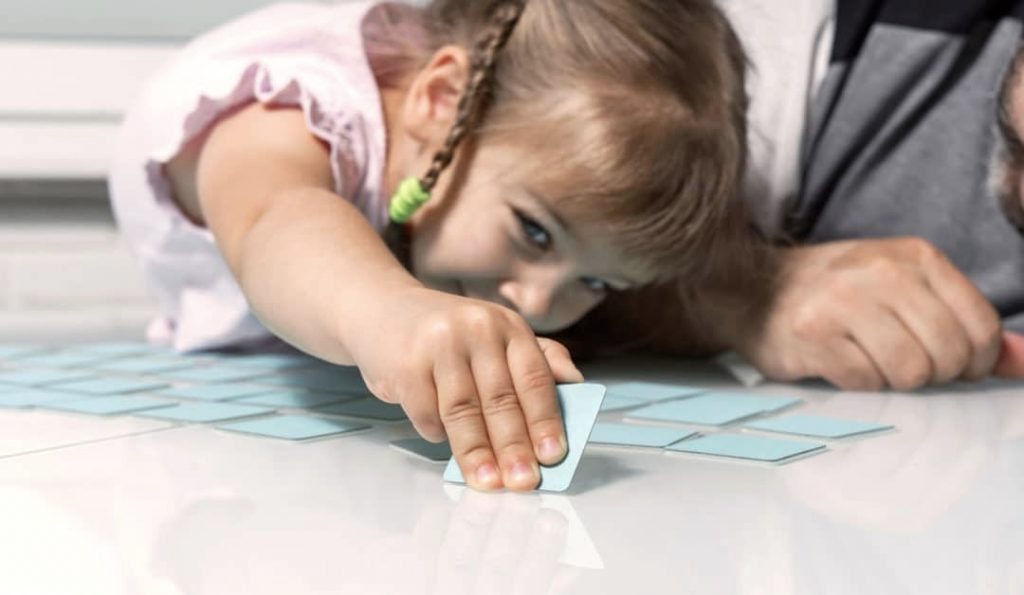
(124, 506)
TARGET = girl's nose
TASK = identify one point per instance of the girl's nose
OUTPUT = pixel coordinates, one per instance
(532, 299)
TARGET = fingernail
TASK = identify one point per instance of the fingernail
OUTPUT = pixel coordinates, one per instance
(551, 449)
(523, 474)
(487, 474)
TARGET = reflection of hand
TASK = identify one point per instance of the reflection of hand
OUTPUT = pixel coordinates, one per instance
(474, 373)
(872, 313)
(501, 543)
(902, 481)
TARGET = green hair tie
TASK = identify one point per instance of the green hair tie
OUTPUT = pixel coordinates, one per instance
(409, 197)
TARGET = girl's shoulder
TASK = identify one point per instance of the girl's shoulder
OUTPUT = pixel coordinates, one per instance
(322, 43)
(304, 56)
(307, 56)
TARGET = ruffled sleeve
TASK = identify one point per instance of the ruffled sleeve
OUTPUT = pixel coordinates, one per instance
(305, 56)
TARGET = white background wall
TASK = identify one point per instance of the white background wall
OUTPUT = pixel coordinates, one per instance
(67, 69)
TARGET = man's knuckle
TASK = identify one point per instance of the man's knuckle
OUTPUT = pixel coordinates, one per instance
(990, 331)
(912, 375)
(954, 359)
(869, 383)
(887, 272)
(809, 323)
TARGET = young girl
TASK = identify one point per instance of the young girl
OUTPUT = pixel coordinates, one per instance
(569, 151)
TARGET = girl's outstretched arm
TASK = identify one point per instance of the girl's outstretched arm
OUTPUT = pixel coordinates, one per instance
(263, 185)
(317, 274)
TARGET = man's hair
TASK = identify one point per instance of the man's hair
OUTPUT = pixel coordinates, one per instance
(1010, 160)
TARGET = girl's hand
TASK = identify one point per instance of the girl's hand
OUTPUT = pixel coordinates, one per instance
(873, 313)
(473, 372)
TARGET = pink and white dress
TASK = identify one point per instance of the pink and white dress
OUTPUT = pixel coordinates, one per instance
(310, 56)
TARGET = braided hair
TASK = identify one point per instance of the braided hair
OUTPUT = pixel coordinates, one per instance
(471, 107)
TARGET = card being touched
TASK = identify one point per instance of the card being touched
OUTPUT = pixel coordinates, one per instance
(580, 405)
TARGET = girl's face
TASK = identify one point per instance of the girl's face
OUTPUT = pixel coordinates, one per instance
(491, 233)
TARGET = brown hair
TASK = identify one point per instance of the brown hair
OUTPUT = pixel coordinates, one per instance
(646, 101)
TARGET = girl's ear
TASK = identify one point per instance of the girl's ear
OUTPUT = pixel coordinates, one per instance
(433, 98)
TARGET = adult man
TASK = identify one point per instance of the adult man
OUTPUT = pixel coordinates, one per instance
(878, 158)
(903, 142)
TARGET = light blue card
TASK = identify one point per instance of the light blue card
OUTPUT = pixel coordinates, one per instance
(366, 408)
(745, 446)
(616, 403)
(109, 386)
(108, 405)
(435, 453)
(817, 426)
(215, 374)
(159, 365)
(117, 349)
(711, 409)
(768, 403)
(652, 392)
(215, 392)
(296, 399)
(32, 397)
(206, 412)
(294, 427)
(322, 377)
(41, 377)
(580, 405)
(9, 351)
(627, 435)
(63, 360)
(270, 361)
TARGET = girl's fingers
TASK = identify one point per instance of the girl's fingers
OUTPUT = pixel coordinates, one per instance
(538, 399)
(460, 411)
(559, 361)
(503, 416)
(418, 397)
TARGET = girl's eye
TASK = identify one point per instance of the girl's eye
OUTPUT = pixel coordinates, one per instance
(535, 232)
(595, 285)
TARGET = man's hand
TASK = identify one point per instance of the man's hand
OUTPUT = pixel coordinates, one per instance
(874, 313)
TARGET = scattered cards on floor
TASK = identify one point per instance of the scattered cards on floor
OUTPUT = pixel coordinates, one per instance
(634, 435)
(294, 427)
(817, 426)
(744, 446)
(206, 412)
(712, 409)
